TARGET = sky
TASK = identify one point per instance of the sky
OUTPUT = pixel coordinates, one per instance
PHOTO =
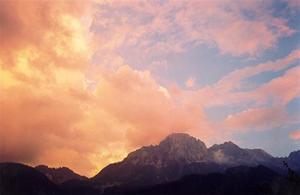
(83, 83)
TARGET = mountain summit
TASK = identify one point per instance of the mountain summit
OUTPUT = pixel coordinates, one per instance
(175, 148)
(183, 147)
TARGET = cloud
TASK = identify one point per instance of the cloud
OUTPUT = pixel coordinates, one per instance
(148, 121)
(256, 119)
(295, 135)
(51, 115)
(228, 90)
(86, 130)
(68, 98)
(157, 28)
(266, 103)
(190, 82)
(43, 56)
(293, 4)
(282, 89)
(56, 25)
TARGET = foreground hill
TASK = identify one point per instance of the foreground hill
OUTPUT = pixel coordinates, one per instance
(59, 175)
(18, 179)
(258, 180)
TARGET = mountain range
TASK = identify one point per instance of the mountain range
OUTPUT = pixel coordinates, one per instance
(179, 155)
(179, 164)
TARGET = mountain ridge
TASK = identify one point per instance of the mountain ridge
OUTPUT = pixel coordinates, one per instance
(180, 154)
(172, 162)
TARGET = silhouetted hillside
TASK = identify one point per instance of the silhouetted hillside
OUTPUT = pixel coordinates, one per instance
(59, 175)
(235, 181)
(180, 164)
(18, 179)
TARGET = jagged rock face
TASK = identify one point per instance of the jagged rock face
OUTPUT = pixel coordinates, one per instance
(176, 148)
(231, 154)
(182, 147)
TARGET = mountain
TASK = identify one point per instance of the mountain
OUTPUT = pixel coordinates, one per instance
(24, 180)
(244, 180)
(177, 155)
(176, 148)
(59, 175)
(293, 161)
(19, 179)
(179, 164)
(154, 164)
(231, 154)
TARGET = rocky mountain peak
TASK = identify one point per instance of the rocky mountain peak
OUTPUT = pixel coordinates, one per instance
(181, 146)
(175, 148)
(230, 144)
(179, 138)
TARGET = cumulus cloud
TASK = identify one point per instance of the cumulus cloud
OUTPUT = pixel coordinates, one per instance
(42, 61)
(68, 98)
(48, 115)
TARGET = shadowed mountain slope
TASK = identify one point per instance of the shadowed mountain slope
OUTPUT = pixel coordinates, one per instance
(59, 175)
(244, 180)
(18, 179)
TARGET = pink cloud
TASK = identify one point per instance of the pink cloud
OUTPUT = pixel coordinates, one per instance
(282, 89)
(190, 83)
(214, 23)
(256, 119)
(293, 4)
(295, 135)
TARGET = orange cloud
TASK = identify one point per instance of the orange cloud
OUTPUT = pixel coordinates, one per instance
(56, 26)
(295, 135)
(59, 109)
(44, 53)
(49, 116)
